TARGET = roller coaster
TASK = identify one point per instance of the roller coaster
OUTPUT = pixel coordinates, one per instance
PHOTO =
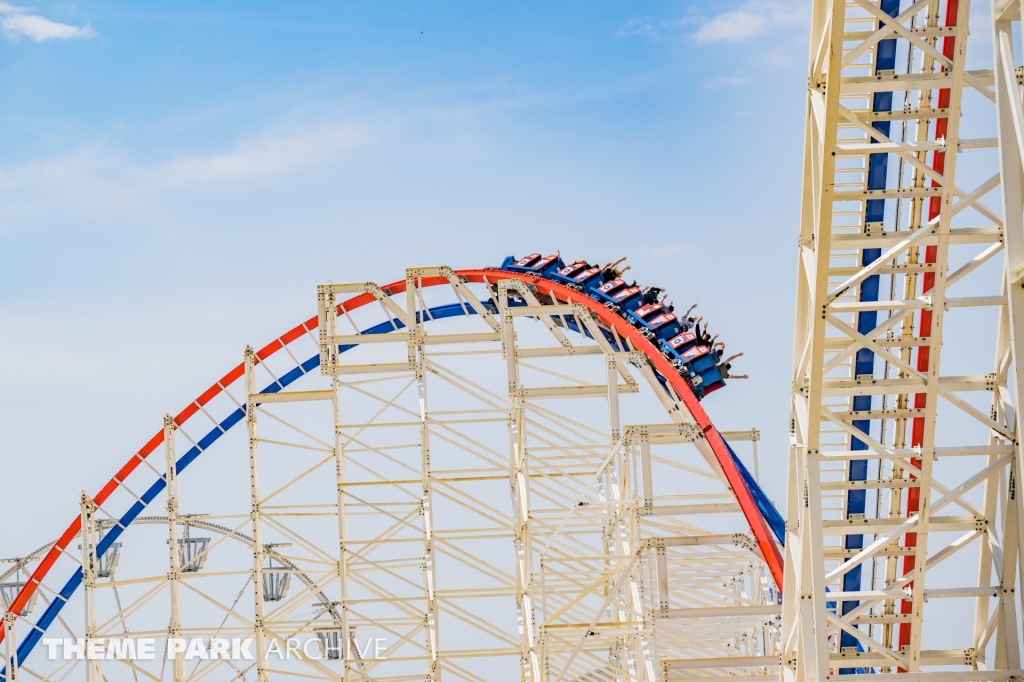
(410, 500)
(509, 473)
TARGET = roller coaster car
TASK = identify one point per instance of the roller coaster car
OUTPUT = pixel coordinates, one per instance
(654, 322)
(679, 344)
(534, 265)
(617, 297)
(580, 276)
(698, 364)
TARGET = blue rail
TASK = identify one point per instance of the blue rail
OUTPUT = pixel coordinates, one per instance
(864, 363)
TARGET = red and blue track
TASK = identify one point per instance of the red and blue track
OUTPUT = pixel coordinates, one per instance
(766, 525)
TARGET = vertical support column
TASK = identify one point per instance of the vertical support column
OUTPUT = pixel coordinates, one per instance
(647, 645)
(753, 445)
(417, 360)
(662, 563)
(613, 397)
(805, 626)
(93, 669)
(645, 473)
(1007, 642)
(174, 574)
(624, 527)
(1005, 625)
(254, 513)
(11, 654)
(618, 529)
(532, 650)
(1009, 121)
(328, 324)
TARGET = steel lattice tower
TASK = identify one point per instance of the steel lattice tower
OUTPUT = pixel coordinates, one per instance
(903, 507)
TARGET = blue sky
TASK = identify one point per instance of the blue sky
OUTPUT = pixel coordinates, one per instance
(176, 179)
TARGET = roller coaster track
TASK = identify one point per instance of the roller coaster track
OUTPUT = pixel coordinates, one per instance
(708, 439)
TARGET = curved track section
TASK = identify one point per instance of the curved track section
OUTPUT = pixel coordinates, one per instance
(613, 327)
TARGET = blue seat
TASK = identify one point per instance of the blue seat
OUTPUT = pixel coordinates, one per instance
(534, 264)
(635, 317)
(681, 342)
(618, 297)
(656, 322)
(607, 288)
(704, 362)
(580, 276)
(698, 364)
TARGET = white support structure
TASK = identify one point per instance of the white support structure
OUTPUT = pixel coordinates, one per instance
(519, 485)
(259, 553)
(899, 461)
(173, 544)
(328, 316)
(415, 316)
(11, 653)
(93, 666)
(465, 488)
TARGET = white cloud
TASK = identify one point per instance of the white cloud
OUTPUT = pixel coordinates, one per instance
(638, 26)
(726, 80)
(266, 155)
(731, 27)
(101, 179)
(750, 19)
(17, 23)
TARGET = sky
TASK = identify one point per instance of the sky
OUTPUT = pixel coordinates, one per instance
(177, 178)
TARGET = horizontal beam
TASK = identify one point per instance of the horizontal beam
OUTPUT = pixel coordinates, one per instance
(683, 509)
(843, 554)
(914, 114)
(854, 85)
(857, 306)
(583, 391)
(928, 657)
(884, 484)
(751, 435)
(862, 148)
(721, 612)
(833, 343)
(974, 301)
(900, 193)
(403, 338)
(898, 268)
(958, 236)
(558, 351)
(375, 368)
(883, 525)
(548, 310)
(720, 662)
(291, 396)
(691, 540)
(845, 387)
